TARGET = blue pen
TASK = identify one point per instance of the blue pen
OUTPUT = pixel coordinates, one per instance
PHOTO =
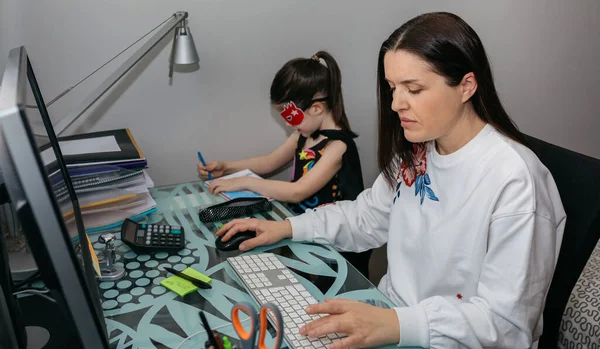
(204, 163)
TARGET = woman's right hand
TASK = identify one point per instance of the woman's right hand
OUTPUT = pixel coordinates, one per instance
(216, 168)
(267, 232)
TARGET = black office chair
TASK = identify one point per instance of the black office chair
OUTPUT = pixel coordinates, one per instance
(578, 180)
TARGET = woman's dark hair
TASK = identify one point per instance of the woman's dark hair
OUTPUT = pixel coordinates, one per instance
(452, 49)
(301, 79)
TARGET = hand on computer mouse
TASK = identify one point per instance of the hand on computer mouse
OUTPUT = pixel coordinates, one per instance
(216, 168)
(267, 232)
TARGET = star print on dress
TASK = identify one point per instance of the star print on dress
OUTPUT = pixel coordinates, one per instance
(459, 296)
(307, 154)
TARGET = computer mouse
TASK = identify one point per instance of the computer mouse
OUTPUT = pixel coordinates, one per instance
(234, 242)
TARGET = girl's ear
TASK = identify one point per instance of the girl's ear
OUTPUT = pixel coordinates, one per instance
(317, 108)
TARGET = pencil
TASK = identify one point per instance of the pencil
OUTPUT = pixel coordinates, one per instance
(204, 163)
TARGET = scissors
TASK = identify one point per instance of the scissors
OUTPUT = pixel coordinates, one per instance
(259, 320)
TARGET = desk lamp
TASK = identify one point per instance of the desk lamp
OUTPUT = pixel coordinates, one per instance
(183, 52)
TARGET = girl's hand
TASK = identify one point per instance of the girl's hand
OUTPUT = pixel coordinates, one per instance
(216, 168)
(234, 184)
(267, 232)
(365, 325)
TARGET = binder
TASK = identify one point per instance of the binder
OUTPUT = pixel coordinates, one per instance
(111, 147)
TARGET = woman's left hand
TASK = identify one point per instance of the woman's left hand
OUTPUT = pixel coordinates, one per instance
(234, 184)
(365, 325)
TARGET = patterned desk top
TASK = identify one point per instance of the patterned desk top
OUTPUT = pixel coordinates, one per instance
(140, 313)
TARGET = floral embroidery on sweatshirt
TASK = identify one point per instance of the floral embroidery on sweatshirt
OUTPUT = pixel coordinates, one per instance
(417, 175)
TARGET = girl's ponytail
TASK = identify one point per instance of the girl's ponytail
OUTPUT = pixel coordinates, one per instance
(336, 99)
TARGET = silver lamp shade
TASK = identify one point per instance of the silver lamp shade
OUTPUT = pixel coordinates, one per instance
(185, 50)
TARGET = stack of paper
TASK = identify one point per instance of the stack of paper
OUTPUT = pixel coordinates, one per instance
(106, 170)
(106, 207)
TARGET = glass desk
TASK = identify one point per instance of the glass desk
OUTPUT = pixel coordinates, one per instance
(140, 313)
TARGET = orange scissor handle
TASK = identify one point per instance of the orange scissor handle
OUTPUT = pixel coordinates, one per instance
(249, 310)
(277, 324)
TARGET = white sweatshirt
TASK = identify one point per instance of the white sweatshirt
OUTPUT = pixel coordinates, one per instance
(473, 239)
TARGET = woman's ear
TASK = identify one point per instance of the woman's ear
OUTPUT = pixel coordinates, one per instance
(469, 86)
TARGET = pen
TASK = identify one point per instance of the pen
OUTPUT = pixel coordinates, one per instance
(204, 163)
(209, 332)
(196, 282)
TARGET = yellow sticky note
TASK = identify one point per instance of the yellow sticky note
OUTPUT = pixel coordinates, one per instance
(181, 286)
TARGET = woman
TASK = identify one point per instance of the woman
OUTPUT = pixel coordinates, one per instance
(472, 219)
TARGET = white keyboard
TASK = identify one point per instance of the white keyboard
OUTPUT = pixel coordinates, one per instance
(269, 281)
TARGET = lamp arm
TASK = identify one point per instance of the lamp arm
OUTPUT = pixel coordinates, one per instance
(65, 122)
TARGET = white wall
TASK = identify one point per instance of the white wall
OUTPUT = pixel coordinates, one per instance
(544, 55)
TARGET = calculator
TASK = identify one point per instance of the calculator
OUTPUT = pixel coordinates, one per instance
(152, 237)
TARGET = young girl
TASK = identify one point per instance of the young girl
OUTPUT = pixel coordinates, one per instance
(307, 92)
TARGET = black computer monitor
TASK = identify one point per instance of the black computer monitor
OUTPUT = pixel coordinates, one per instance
(30, 188)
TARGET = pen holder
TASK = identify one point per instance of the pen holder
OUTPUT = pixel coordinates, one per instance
(236, 208)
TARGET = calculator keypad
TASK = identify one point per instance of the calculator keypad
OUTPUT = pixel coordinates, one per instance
(161, 235)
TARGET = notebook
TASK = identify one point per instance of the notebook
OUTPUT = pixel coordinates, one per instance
(230, 195)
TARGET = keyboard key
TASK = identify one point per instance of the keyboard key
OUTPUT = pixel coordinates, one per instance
(299, 287)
